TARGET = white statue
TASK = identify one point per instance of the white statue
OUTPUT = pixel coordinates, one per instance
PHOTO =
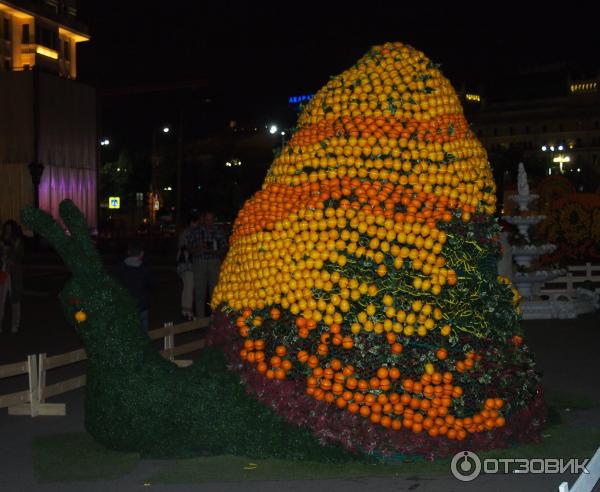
(522, 185)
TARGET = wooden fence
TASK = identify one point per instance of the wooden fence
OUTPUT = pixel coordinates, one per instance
(32, 401)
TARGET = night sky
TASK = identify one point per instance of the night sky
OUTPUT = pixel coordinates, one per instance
(257, 54)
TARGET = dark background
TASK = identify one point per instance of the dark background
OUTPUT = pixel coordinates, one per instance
(260, 52)
(232, 60)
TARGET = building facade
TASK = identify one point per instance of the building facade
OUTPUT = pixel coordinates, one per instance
(558, 131)
(48, 138)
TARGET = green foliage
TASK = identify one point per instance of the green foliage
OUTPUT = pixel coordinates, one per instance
(77, 457)
(116, 177)
(136, 400)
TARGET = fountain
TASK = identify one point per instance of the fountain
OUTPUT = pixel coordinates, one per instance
(529, 281)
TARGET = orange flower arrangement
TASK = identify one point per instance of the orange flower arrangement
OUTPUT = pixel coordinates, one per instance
(347, 245)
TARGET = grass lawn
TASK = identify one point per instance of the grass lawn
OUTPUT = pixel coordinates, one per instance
(77, 457)
(71, 457)
(560, 441)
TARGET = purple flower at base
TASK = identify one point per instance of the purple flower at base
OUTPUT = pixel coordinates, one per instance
(330, 424)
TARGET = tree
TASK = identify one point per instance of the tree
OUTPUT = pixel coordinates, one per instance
(116, 177)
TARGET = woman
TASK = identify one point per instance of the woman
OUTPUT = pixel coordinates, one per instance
(11, 254)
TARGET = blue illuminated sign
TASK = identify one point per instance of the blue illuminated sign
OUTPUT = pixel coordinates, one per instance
(299, 99)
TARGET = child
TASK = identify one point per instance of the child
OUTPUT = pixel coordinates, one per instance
(136, 278)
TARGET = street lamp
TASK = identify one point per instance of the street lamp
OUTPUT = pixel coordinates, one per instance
(166, 129)
(560, 159)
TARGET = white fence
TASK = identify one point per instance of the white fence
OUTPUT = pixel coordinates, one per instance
(583, 276)
(586, 481)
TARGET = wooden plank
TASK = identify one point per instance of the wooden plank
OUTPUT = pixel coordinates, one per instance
(183, 363)
(188, 347)
(13, 399)
(15, 369)
(34, 394)
(52, 409)
(65, 359)
(191, 325)
(195, 324)
(41, 375)
(159, 333)
(63, 387)
(22, 409)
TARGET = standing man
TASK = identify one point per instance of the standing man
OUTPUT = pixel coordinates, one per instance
(208, 245)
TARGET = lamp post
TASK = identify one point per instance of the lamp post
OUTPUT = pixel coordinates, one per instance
(155, 170)
(273, 129)
(559, 159)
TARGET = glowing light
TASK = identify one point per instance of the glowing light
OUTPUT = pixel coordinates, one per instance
(584, 87)
(544, 148)
(473, 97)
(114, 202)
(560, 147)
(166, 129)
(273, 129)
(299, 99)
(561, 159)
(105, 142)
(14, 12)
(74, 36)
(42, 50)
